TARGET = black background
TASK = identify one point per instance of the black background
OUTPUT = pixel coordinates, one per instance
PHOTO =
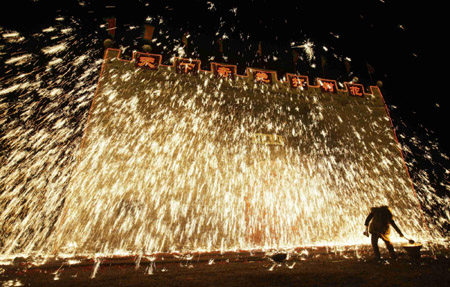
(403, 41)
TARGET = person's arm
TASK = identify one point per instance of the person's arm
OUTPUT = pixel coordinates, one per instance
(396, 228)
(366, 223)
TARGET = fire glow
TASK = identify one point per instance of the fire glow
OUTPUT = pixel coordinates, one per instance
(169, 163)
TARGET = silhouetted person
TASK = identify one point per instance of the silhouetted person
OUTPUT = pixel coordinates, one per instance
(378, 224)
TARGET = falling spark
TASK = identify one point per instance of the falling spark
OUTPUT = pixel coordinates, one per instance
(212, 6)
(19, 60)
(151, 268)
(11, 35)
(96, 266)
(55, 49)
(308, 48)
(49, 29)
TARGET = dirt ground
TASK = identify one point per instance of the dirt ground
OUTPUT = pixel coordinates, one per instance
(317, 270)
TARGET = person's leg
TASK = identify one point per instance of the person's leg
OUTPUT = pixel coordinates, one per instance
(389, 246)
(376, 250)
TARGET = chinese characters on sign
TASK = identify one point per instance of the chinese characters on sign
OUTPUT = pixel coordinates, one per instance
(148, 61)
(355, 90)
(262, 76)
(224, 71)
(328, 86)
(186, 66)
(298, 81)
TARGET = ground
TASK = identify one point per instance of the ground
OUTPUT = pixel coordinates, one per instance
(317, 270)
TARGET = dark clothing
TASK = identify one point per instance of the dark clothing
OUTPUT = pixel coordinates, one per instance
(388, 243)
(378, 222)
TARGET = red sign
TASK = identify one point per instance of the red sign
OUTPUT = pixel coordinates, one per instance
(148, 32)
(298, 81)
(356, 90)
(186, 66)
(224, 71)
(328, 86)
(111, 26)
(148, 61)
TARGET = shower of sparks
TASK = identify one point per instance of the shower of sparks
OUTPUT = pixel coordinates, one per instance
(171, 165)
(168, 163)
(42, 116)
(308, 48)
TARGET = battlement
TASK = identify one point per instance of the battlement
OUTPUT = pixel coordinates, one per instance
(291, 82)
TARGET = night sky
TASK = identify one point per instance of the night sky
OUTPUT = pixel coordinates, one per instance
(400, 40)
